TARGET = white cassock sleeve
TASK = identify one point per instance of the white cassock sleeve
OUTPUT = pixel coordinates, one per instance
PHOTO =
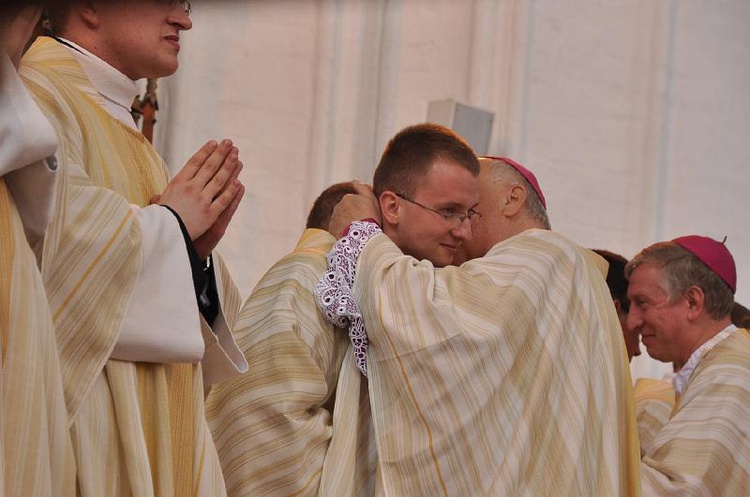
(223, 358)
(162, 322)
(27, 145)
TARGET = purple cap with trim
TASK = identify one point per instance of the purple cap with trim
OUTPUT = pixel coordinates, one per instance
(713, 254)
(528, 175)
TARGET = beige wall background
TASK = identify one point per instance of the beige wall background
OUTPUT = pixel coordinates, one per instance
(634, 114)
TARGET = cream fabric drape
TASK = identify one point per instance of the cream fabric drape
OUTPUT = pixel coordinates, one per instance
(702, 448)
(654, 401)
(36, 456)
(272, 426)
(505, 376)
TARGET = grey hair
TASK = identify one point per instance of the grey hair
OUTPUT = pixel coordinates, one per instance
(502, 171)
(681, 270)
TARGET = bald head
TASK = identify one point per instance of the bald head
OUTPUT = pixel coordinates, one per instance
(509, 206)
(507, 173)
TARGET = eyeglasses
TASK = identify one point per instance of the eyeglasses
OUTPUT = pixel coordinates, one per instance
(456, 217)
(186, 6)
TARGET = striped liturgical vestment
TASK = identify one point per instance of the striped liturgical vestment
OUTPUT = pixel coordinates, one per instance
(37, 457)
(273, 427)
(654, 401)
(138, 428)
(703, 449)
(504, 376)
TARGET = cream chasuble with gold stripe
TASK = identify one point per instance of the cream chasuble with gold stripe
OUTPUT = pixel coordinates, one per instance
(505, 376)
(272, 427)
(36, 456)
(704, 447)
(350, 467)
(654, 401)
(138, 428)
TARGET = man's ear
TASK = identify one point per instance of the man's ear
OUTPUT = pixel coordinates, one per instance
(696, 300)
(89, 13)
(390, 207)
(618, 305)
(514, 200)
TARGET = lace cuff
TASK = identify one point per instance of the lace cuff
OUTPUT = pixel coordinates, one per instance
(334, 290)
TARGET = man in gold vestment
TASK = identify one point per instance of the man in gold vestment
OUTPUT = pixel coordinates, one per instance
(426, 184)
(272, 427)
(504, 376)
(36, 456)
(141, 309)
(300, 423)
(682, 295)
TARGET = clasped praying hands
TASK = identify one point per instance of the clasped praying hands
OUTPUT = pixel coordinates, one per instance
(206, 193)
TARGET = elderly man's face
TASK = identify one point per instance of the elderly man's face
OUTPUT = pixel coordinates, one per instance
(491, 228)
(658, 321)
(428, 226)
(141, 38)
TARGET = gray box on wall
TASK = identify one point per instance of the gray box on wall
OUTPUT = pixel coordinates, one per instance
(472, 123)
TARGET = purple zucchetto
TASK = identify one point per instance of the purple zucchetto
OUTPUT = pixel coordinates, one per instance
(713, 254)
(528, 175)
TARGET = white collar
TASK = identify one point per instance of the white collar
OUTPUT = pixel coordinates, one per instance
(110, 84)
(682, 377)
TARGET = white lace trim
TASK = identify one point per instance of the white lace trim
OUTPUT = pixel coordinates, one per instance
(334, 290)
